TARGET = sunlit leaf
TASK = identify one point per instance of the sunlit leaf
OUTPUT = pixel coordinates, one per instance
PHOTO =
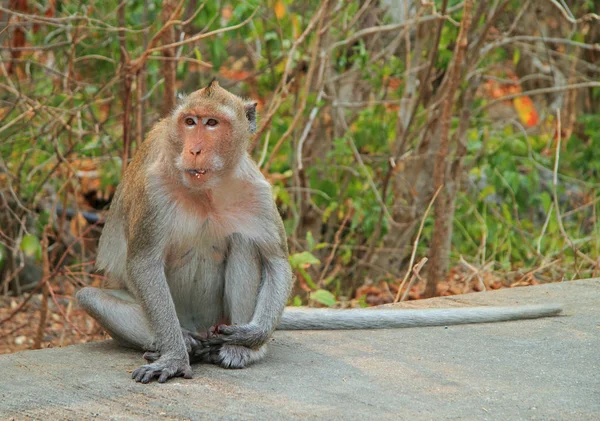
(296, 31)
(506, 213)
(516, 56)
(30, 245)
(310, 241)
(487, 191)
(303, 259)
(324, 297)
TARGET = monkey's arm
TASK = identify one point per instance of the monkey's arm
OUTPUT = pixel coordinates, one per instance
(273, 287)
(147, 281)
(150, 287)
(317, 319)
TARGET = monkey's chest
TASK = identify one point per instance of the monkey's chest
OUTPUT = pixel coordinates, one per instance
(196, 278)
(194, 242)
(214, 219)
(181, 256)
(197, 240)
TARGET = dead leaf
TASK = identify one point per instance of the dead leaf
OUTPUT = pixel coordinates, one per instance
(279, 9)
(526, 111)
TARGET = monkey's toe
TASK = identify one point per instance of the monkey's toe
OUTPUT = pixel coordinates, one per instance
(163, 370)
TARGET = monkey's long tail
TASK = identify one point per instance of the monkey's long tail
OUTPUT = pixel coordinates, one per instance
(317, 319)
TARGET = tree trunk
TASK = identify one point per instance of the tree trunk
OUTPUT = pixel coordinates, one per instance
(439, 252)
(169, 68)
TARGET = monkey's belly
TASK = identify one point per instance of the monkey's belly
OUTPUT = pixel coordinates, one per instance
(196, 280)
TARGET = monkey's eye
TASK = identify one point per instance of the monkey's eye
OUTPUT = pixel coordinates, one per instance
(190, 121)
(209, 122)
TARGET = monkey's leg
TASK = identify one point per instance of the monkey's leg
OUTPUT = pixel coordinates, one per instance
(257, 281)
(242, 281)
(118, 313)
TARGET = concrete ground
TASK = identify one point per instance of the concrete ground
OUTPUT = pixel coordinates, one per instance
(546, 369)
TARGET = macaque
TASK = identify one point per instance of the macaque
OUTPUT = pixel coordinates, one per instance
(197, 253)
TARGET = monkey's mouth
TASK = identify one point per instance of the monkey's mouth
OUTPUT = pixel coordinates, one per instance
(196, 173)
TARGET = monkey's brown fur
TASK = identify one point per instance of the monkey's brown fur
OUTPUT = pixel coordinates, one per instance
(193, 240)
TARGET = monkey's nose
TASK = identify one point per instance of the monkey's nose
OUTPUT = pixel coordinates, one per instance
(195, 150)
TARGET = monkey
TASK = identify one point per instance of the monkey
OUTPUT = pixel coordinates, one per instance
(197, 254)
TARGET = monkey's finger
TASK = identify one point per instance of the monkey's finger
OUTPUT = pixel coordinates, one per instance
(227, 330)
(151, 356)
(198, 352)
(148, 376)
(138, 374)
(197, 336)
(167, 373)
(187, 373)
(216, 341)
(164, 376)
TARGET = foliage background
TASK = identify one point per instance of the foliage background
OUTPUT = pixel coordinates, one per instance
(415, 148)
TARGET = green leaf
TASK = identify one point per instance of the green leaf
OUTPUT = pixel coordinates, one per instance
(282, 195)
(546, 200)
(328, 280)
(506, 213)
(324, 297)
(31, 247)
(307, 278)
(329, 210)
(297, 301)
(305, 258)
(516, 56)
(310, 241)
(2, 256)
(490, 189)
(218, 52)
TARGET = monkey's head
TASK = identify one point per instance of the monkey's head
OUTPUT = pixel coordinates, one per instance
(214, 128)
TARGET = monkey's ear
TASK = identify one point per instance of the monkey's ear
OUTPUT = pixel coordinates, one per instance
(250, 108)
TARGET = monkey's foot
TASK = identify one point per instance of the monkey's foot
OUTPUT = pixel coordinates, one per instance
(238, 345)
(163, 369)
(198, 349)
(236, 356)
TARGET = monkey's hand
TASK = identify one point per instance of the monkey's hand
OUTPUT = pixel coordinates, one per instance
(195, 345)
(163, 368)
(250, 335)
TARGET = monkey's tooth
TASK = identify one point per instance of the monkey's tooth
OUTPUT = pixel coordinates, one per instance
(195, 173)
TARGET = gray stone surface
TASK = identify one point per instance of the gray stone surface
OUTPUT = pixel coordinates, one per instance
(547, 369)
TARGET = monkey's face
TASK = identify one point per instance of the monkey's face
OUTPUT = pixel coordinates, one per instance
(207, 149)
(213, 130)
